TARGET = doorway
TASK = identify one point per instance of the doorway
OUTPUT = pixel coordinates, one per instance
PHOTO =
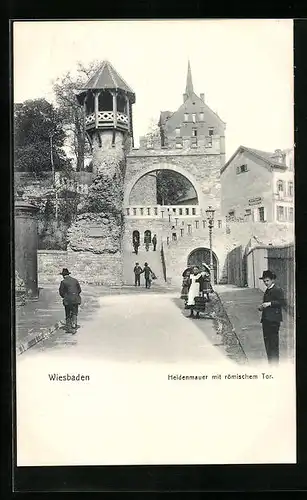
(136, 236)
(147, 236)
(200, 255)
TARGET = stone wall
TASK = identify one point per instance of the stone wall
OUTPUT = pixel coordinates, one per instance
(50, 263)
(85, 266)
(144, 192)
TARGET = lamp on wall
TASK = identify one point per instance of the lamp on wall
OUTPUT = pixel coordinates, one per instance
(210, 217)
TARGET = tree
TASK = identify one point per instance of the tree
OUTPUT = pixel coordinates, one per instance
(38, 137)
(171, 186)
(65, 89)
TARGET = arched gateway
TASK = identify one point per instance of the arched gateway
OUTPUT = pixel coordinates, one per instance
(200, 255)
(131, 181)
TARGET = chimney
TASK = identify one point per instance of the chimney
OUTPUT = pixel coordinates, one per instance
(202, 96)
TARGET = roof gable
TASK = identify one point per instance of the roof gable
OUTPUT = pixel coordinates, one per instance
(193, 104)
(269, 162)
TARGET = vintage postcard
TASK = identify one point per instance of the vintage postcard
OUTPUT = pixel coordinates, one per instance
(154, 242)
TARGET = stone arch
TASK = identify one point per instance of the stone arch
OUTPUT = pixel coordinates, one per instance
(163, 166)
(203, 254)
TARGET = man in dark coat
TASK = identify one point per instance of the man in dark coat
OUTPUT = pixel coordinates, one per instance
(70, 290)
(137, 274)
(136, 244)
(273, 301)
(154, 242)
(147, 273)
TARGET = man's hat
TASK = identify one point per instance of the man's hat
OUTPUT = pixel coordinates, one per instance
(268, 274)
(65, 272)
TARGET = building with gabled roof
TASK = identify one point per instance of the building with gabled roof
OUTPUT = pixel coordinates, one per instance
(258, 186)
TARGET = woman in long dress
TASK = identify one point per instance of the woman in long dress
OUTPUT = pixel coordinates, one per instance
(194, 289)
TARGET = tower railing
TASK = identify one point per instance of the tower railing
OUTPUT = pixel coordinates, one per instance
(105, 118)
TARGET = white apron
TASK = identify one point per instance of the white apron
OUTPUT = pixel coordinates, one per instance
(194, 289)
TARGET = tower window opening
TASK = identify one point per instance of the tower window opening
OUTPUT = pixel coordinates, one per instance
(105, 101)
(90, 103)
(121, 104)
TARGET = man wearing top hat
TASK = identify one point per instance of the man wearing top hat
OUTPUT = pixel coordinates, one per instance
(70, 290)
(273, 301)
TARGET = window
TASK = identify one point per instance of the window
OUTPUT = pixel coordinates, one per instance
(211, 131)
(134, 211)
(290, 188)
(180, 211)
(204, 224)
(248, 211)
(177, 132)
(128, 211)
(189, 229)
(174, 236)
(142, 211)
(231, 213)
(194, 117)
(290, 214)
(241, 168)
(194, 211)
(219, 224)
(148, 211)
(174, 210)
(201, 117)
(186, 117)
(261, 214)
(209, 142)
(181, 231)
(194, 132)
(280, 213)
(280, 186)
(187, 211)
(156, 211)
(197, 224)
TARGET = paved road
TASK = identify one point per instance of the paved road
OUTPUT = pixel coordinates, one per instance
(146, 326)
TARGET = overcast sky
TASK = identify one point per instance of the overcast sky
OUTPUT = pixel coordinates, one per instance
(244, 68)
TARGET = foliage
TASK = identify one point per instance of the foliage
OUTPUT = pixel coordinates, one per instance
(171, 186)
(35, 123)
(65, 88)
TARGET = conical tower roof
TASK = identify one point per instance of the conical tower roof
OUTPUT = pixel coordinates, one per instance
(106, 77)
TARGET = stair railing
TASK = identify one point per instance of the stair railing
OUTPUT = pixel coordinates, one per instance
(163, 262)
